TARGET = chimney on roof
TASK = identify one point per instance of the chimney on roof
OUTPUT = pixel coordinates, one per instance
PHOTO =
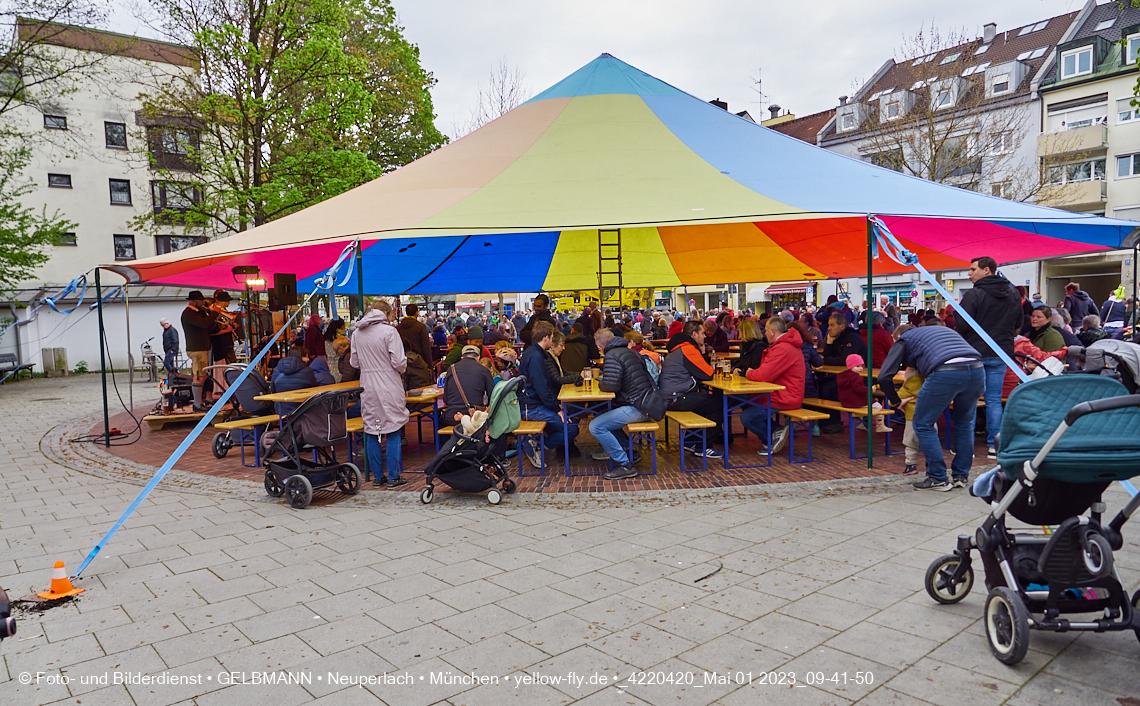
(989, 32)
(842, 100)
(774, 110)
(719, 103)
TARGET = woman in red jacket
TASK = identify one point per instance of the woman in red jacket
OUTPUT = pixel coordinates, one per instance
(782, 364)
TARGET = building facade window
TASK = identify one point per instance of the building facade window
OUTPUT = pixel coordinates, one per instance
(124, 247)
(1001, 84)
(943, 99)
(1003, 143)
(59, 181)
(1001, 189)
(171, 243)
(1077, 62)
(55, 122)
(1133, 48)
(1126, 112)
(1085, 170)
(67, 240)
(172, 200)
(173, 148)
(848, 122)
(1127, 165)
(120, 192)
(892, 160)
(115, 135)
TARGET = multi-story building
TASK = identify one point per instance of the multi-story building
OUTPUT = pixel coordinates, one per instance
(95, 160)
(1089, 145)
(1041, 102)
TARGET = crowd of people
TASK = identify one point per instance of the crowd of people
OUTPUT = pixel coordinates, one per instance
(654, 360)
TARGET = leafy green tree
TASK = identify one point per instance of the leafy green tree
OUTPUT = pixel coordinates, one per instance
(293, 102)
(24, 234)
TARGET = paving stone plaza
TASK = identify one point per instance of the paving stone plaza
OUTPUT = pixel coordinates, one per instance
(214, 594)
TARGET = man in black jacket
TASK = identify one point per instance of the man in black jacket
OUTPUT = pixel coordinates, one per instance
(541, 313)
(539, 399)
(996, 306)
(197, 320)
(624, 374)
(1078, 302)
(953, 373)
(841, 341)
(169, 345)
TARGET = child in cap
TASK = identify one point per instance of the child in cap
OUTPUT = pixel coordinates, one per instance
(853, 390)
(908, 392)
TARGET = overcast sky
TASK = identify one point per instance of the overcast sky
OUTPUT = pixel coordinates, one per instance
(810, 52)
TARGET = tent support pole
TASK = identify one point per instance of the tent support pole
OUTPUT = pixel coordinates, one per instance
(102, 360)
(1132, 295)
(867, 312)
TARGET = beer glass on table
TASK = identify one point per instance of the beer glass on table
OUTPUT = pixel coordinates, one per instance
(587, 377)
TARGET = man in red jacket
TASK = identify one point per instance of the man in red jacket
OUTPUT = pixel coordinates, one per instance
(782, 364)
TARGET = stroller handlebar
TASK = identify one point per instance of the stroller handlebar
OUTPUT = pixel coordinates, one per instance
(1102, 405)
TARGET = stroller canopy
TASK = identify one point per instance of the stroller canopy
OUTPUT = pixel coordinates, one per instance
(1099, 447)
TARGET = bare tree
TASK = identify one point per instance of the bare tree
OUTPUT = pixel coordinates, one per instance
(939, 119)
(505, 91)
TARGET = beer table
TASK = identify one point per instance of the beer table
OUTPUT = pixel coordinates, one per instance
(578, 402)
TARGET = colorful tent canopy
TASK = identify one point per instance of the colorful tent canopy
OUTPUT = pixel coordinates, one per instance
(700, 196)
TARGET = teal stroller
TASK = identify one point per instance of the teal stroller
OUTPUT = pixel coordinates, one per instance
(1063, 441)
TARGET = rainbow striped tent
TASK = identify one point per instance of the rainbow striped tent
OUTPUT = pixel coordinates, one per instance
(699, 196)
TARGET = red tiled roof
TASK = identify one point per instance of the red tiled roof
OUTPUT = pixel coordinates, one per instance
(807, 127)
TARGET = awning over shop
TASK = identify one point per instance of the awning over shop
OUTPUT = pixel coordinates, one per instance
(698, 195)
(791, 288)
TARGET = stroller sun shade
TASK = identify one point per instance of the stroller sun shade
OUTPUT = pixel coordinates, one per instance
(1099, 447)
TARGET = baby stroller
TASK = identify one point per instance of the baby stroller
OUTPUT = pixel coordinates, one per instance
(308, 459)
(247, 407)
(1063, 440)
(466, 463)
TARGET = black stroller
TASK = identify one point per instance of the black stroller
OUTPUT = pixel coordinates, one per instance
(247, 407)
(308, 459)
(1064, 439)
(467, 463)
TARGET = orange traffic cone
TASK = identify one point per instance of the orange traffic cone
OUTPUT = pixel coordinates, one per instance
(60, 585)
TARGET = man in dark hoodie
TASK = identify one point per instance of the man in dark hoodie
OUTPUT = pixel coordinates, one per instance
(1078, 302)
(579, 350)
(996, 306)
(292, 373)
(415, 334)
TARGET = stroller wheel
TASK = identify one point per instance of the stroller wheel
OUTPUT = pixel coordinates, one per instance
(349, 478)
(1097, 555)
(427, 495)
(222, 444)
(273, 486)
(1007, 625)
(494, 497)
(509, 486)
(938, 580)
(298, 491)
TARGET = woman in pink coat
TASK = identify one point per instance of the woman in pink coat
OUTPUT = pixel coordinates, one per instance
(379, 355)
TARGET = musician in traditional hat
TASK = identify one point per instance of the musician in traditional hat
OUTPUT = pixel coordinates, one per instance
(222, 336)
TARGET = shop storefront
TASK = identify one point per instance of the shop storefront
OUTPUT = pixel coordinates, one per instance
(794, 295)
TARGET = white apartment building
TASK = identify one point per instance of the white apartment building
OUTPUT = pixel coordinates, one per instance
(93, 153)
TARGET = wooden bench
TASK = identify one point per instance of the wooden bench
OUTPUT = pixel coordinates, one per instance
(224, 440)
(639, 433)
(852, 413)
(694, 426)
(803, 418)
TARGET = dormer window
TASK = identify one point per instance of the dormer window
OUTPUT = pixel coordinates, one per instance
(1077, 62)
(848, 122)
(1133, 48)
(1001, 84)
(944, 99)
(892, 111)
